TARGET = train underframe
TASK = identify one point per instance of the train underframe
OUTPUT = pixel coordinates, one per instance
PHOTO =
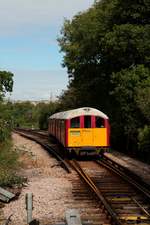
(87, 150)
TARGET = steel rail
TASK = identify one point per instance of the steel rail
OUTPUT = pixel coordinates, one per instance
(64, 164)
(98, 193)
(125, 177)
(129, 180)
(141, 207)
(127, 171)
(36, 132)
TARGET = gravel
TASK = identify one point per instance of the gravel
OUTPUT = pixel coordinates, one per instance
(48, 182)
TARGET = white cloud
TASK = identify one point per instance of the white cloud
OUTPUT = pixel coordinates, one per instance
(22, 15)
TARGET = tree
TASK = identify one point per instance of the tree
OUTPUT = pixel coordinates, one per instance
(22, 113)
(45, 111)
(107, 54)
(144, 143)
(6, 83)
(130, 115)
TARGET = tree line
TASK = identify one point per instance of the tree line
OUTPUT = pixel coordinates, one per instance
(107, 55)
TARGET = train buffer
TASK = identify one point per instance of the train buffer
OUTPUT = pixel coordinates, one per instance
(73, 218)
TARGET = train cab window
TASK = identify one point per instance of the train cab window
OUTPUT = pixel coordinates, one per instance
(99, 122)
(87, 121)
(75, 122)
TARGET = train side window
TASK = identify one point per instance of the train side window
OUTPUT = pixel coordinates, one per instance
(87, 121)
(75, 122)
(99, 122)
(62, 124)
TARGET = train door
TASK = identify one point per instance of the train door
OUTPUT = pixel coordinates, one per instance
(100, 132)
(87, 133)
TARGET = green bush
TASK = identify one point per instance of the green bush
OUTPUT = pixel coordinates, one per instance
(8, 165)
(46, 110)
(144, 139)
(144, 143)
(5, 130)
(9, 178)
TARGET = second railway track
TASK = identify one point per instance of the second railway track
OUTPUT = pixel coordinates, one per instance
(104, 193)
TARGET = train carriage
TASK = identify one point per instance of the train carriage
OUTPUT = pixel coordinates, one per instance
(81, 130)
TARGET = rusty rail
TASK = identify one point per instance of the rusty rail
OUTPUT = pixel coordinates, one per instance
(75, 165)
(122, 172)
(33, 137)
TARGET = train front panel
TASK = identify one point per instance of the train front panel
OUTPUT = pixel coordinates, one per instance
(88, 131)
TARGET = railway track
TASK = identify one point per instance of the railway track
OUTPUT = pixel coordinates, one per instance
(118, 200)
(103, 191)
(44, 140)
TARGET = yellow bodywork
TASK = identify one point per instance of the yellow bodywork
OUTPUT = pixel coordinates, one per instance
(78, 137)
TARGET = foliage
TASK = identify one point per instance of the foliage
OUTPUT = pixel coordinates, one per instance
(107, 54)
(6, 83)
(24, 114)
(29, 115)
(46, 110)
(8, 157)
(4, 130)
(10, 178)
(144, 138)
(68, 99)
(8, 165)
(144, 143)
(128, 84)
(143, 102)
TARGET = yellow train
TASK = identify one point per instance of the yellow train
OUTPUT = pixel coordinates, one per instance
(81, 130)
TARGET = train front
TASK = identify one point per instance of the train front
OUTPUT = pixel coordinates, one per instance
(88, 131)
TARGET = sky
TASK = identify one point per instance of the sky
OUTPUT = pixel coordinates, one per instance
(29, 48)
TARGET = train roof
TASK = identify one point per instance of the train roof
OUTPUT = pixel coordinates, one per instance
(78, 112)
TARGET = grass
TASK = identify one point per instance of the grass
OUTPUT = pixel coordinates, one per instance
(9, 165)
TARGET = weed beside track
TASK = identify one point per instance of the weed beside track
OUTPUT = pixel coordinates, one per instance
(9, 165)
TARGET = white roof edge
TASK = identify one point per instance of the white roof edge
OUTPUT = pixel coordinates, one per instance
(78, 112)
